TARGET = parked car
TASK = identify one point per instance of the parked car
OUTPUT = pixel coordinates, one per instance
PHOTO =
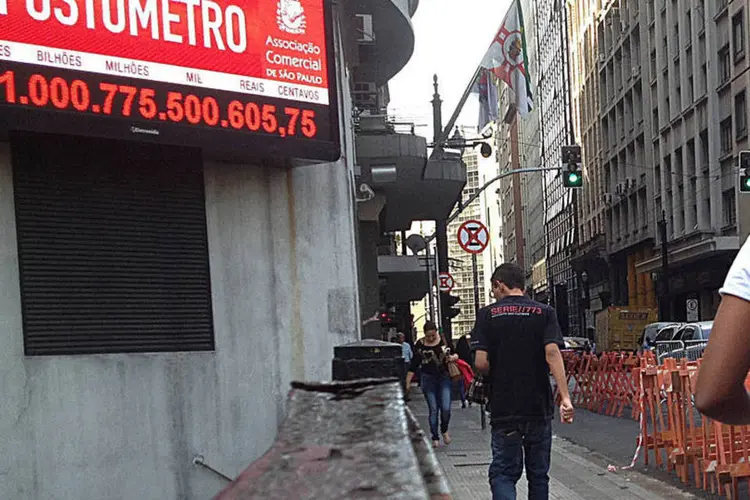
(694, 331)
(576, 343)
(689, 341)
(655, 332)
(668, 333)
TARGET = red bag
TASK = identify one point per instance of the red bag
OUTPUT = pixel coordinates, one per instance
(466, 371)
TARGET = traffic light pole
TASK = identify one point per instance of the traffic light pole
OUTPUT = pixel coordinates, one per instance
(487, 184)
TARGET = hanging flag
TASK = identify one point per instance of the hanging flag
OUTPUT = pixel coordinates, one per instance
(488, 99)
(507, 59)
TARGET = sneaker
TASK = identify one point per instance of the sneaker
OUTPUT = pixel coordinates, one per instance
(463, 404)
(447, 438)
(435, 443)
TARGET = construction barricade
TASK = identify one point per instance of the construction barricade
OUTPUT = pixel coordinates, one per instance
(659, 394)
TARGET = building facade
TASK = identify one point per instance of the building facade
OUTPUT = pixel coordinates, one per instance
(393, 176)
(492, 210)
(672, 121)
(180, 294)
(699, 118)
(553, 99)
(506, 141)
(627, 151)
(533, 185)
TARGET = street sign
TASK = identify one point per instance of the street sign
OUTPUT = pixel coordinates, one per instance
(445, 282)
(692, 309)
(473, 236)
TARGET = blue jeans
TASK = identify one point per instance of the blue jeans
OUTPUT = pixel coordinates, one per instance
(462, 390)
(437, 392)
(512, 445)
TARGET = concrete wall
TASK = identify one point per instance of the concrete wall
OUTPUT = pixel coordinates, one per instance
(283, 272)
(284, 282)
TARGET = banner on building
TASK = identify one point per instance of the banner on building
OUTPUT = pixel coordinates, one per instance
(508, 60)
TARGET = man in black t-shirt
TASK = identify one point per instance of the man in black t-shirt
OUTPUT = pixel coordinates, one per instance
(517, 342)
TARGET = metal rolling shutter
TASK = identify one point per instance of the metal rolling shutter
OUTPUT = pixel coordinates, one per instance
(112, 246)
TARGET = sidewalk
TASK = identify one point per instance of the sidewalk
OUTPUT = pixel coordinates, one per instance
(575, 474)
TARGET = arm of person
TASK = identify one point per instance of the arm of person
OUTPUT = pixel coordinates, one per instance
(482, 362)
(480, 343)
(416, 360)
(552, 341)
(720, 391)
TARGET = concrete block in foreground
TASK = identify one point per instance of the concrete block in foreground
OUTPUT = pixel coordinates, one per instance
(345, 440)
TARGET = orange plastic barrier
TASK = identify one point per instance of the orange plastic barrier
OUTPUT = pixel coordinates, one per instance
(711, 455)
(604, 384)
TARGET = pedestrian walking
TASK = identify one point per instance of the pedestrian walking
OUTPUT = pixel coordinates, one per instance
(406, 351)
(517, 342)
(720, 391)
(431, 356)
(463, 349)
(407, 354)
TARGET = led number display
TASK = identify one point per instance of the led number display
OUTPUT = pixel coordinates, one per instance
(240, 78)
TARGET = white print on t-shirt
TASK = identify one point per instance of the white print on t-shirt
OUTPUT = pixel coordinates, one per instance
(738, 279)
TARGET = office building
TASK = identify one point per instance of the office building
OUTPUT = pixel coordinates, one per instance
(553, 99)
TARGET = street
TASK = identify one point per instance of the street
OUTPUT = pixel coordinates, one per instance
(576, 472)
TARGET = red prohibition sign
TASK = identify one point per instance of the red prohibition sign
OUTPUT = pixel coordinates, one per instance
(473, 236)
(446, 282)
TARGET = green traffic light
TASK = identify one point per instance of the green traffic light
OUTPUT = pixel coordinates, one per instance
(745, 184)
(573, 180)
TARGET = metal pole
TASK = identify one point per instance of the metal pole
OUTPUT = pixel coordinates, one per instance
(475, 273)
(441, 226)
(429, 285)
(666, 299)
(441, 134)
(438, 319)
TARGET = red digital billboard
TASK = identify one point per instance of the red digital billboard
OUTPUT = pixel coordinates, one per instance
(240, 78)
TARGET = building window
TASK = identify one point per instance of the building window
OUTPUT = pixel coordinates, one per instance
(112, 246)
(740, 115)
(738, 36)
(725, 133)
(724, 65)
(729, 202)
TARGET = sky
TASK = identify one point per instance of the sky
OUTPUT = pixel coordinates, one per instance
(450, 42)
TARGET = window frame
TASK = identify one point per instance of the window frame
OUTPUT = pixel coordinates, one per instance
(740, 115)
(738, 23)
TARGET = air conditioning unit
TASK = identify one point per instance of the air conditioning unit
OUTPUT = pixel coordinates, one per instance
(623, 26)
(636, 71)
(607, 198)
(602, 57)
(365, 34)
(630, 183)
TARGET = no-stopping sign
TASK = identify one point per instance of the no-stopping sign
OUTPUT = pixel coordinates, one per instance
(473, 236)
(445, 282)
